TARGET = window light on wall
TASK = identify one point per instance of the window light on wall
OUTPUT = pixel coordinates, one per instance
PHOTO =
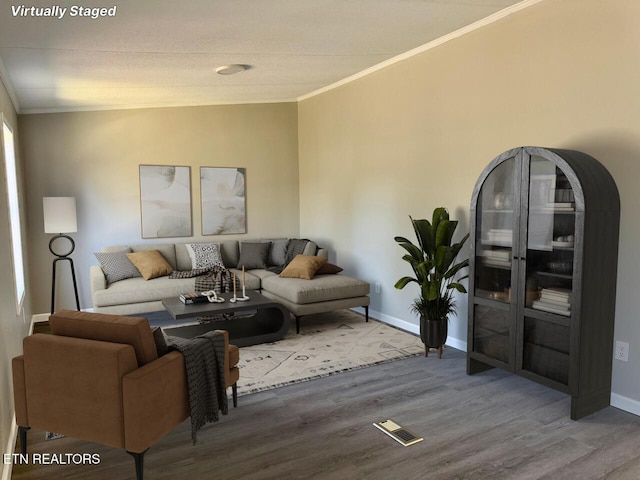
(13, 205)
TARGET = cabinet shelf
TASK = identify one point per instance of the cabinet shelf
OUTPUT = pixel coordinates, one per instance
(509, 327)
(566, 276)
(547, 317)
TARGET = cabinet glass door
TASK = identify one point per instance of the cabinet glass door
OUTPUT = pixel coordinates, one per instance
(549, 270)
(496, 236)
(495, 227)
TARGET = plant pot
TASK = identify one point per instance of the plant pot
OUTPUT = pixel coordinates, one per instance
(433, 334)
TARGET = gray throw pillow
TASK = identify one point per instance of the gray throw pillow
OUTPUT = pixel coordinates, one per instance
(116, 266)
(253, 255)
(278, 251)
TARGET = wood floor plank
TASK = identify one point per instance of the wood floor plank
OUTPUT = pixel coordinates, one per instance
(493, 425)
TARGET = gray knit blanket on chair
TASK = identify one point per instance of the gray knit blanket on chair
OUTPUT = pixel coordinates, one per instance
(204, 358)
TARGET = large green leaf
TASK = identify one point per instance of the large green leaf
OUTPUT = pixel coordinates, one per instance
(422, 229)
(444, 258)
(459, 287)
(414, 251)
(456, 268)
(439, 214)
(403, 282)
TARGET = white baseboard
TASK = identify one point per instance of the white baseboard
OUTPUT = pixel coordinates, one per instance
(412, 327)
(40, 317)
(10, 449)
(625, 403)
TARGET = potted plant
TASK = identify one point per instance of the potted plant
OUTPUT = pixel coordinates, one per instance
(433, 262)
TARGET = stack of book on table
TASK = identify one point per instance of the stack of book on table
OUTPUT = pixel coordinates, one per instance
(190, 298)
(554, 300)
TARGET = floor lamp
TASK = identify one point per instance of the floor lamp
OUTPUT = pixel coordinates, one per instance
(60, 218)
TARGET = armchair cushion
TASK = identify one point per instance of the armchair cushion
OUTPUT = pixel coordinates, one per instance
(134, 331)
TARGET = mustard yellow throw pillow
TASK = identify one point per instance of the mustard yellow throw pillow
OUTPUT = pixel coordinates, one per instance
(150, 264)
(303, 266)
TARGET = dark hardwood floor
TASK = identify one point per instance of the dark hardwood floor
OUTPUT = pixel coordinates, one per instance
(493, 425)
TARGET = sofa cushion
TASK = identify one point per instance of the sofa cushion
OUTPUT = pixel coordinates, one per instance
(151, 264)
(116, 266)
(253, 255)
(134, 331)
(139, 290)
(321, 289)
(303, 266)
(204, 255)
(252, 282)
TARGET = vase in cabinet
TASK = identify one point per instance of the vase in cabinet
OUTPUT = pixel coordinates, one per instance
(543, 265)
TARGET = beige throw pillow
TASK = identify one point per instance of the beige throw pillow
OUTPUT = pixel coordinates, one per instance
(150, 264)
(303, 266)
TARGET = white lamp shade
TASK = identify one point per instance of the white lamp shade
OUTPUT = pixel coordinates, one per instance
(59, 214)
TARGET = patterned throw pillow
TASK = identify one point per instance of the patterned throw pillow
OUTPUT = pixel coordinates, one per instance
(116, 266)
(205, 255)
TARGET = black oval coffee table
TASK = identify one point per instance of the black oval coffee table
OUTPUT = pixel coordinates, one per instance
(257, 320)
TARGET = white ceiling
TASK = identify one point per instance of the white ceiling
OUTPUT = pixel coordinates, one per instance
(164, 52)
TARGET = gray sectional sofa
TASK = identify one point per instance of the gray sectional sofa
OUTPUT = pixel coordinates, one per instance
(323, 293)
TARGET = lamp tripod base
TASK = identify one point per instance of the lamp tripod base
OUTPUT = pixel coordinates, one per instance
(60, 257)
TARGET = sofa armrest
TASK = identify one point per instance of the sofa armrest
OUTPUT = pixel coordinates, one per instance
(155, 400)
(97, 280)
(19, 391)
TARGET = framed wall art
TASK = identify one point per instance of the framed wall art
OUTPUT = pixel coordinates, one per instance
(224, 207)
(165, 201)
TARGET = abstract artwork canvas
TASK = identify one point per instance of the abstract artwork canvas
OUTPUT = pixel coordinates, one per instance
(165, 201)
(223, 198)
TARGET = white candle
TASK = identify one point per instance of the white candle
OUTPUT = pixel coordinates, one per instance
(243, 283)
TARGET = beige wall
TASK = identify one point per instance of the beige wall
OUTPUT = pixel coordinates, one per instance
(12, 327)
(417, 135)
(95, 157)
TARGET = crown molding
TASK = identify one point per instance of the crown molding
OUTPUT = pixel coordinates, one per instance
(102, 108)
(427, 46)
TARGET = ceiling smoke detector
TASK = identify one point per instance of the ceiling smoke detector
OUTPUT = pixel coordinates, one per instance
(231, 69)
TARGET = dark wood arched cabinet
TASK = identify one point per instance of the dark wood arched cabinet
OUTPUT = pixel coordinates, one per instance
(543, 264)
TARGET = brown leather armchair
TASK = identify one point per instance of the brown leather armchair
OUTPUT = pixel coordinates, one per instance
(98, 378)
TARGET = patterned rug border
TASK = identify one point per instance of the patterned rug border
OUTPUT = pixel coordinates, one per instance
(336, 372)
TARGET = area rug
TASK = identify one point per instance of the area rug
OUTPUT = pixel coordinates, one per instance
(328, 343)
